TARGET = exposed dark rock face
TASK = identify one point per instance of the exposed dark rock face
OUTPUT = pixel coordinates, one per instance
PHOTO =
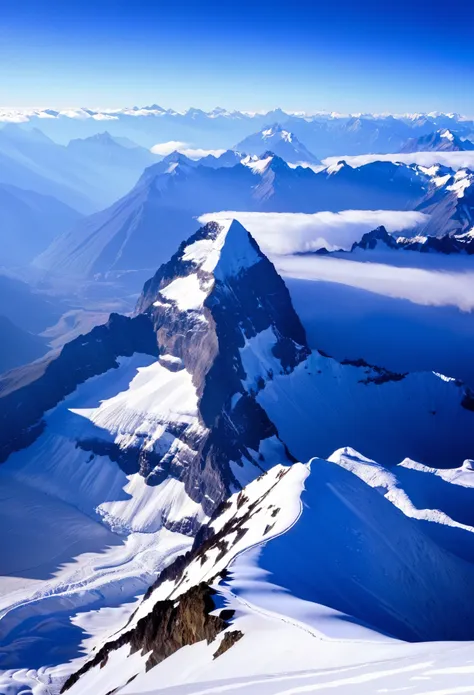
(228, 641)
(371, 239)
(174, 623)
(168, 627)
(28, 393)
(374, 374)
(238, 307)
(446, 244)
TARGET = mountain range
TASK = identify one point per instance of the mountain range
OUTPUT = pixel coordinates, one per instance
(439, 141)
(325, 134)
(86, 175)
(279, 141)
(379, 239)
(256, 474)
(160, 211)
(171, 438)
(29, 222)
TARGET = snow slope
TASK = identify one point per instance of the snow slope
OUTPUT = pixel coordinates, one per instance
(115, 531)
(317, 547)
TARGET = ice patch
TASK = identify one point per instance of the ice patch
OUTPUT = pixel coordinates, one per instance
(187, 292)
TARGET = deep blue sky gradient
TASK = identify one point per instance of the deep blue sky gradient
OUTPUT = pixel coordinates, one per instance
(339, 55)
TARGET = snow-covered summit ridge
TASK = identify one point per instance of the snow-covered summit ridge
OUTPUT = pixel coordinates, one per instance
(442, 140)
(223, 248)
(311, 546)
(217, 251)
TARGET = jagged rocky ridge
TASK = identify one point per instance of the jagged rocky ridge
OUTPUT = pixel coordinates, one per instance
(443, 140)
(330, 532)
(216, 294)
(176, 609)
(169, 626)
(380, 239)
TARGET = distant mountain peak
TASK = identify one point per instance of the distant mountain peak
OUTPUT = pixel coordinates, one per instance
(281, 142)
(443, 140)
(374, 239)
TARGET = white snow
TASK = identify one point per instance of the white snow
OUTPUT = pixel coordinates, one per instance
(447, 134)
(186, 292)
(58, 491)
(462, 181)
(323, 405)
(226, 255)
(334, 537)
(121, 667)
(257, 165)
(258, 359)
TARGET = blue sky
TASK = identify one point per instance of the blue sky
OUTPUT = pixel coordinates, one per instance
(341, 55)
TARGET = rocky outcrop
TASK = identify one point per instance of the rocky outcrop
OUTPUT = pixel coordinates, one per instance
(380, 239)
(169, 626)
(241, 299)
(372, 240)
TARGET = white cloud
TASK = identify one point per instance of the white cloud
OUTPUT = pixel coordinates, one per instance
(185, 148)
(75, 113)
(104, 117)
(6, 117)
(287, 233)
(165, 148)
(454, 160)
(426, 286)
(197, 153)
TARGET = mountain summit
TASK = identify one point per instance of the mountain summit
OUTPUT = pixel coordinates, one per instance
(440, 141)
(281, 142)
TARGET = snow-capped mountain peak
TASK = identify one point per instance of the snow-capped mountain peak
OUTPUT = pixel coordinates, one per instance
(280, 141)
(447, 134)
(277, 131)
(217, 251)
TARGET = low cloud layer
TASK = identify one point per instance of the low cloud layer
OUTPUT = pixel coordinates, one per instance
(165, 148)
(288, 233)
(454, 160)
(419, 285)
